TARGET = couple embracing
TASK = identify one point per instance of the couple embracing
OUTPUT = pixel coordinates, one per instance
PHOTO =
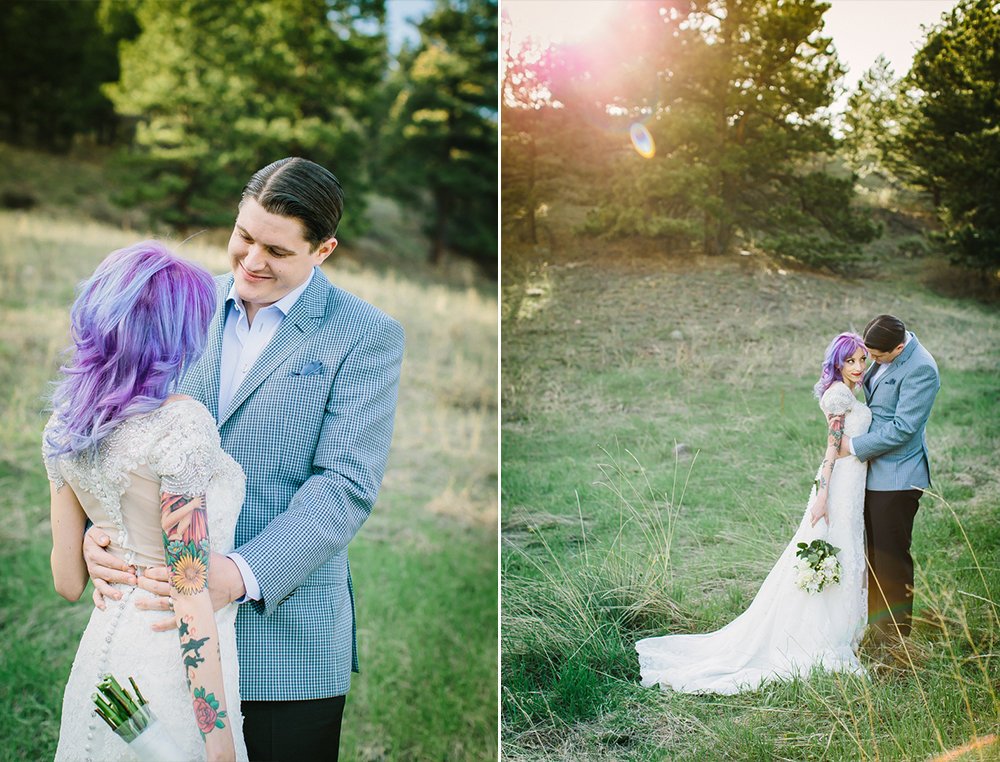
(221, 514)
(863, 504)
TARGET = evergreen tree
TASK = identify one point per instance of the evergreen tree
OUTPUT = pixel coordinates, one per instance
(954, 137)
(877, 110)
(56, 56)
(734, 94)
(524, 107)
(221, 89)
(441, 134)
(550, 150)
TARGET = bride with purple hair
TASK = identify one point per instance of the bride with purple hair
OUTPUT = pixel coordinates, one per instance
(791, 627)
(146, 467)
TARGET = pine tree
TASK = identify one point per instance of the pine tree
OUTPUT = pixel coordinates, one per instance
(734, 94)
(877, 111)
(441, 134)
(954, 136)
(56, 56)
(219, 90)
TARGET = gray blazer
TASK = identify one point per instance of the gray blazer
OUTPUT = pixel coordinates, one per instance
(311, 426)
(895, 446)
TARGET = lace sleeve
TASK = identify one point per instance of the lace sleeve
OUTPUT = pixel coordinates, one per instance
(184, 454)
(837, 400)
(49, 457)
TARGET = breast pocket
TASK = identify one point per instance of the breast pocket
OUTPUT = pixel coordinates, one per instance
(300, 417)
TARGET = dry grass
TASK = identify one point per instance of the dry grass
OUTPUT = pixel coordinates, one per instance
(719, 355)
(436, 517)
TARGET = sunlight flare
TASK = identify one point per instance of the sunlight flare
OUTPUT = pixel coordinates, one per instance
(555, 21)
(642, 140)
(959, 751)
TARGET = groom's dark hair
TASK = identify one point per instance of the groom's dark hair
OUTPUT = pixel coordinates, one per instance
(302, 190)
(884, 333)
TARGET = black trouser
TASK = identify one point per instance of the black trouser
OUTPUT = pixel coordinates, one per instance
(888, 533)
(293, 731)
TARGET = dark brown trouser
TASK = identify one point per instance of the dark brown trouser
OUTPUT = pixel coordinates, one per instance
(888, 533)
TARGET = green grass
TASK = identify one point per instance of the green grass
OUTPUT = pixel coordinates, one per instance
(424, 565)
(611, 362)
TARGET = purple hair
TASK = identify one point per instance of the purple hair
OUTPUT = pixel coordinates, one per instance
(842, 347)
(137, 323)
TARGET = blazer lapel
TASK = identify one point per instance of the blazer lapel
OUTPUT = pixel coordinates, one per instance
(212, 357)
(302, 320)
(202, 380)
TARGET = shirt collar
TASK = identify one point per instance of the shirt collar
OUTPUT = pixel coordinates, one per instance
(284, 304)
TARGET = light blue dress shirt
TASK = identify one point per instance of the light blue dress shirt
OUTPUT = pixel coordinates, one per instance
(242, 343)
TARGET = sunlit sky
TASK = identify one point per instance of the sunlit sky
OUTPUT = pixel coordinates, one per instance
(861, 29)
(398, 14)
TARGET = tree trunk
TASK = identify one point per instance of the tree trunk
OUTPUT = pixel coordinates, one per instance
(532, 156)
(443, 197)
(719, 229)
(183, 202)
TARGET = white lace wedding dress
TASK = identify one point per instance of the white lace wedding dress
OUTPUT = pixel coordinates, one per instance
(177, 446)
(785, 631)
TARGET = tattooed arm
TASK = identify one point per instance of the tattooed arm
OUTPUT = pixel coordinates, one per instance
(833, 442)
(185, 541)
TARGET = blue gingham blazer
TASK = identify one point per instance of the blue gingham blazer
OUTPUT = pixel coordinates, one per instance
(311, 426)
(900, 400)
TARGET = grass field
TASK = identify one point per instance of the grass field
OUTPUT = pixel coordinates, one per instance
(424, 565)
(659, 438)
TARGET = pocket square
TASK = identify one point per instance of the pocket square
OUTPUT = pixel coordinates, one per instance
(314, 367)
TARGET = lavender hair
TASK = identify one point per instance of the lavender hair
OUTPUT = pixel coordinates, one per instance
(842, 347)
(137, 324)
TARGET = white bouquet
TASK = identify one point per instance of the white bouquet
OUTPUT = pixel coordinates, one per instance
(817, 566)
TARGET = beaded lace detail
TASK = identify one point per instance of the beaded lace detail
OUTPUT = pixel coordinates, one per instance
(838, 399)
(179, 442)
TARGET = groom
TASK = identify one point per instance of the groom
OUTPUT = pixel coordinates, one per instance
(302, 378)
(900, 387)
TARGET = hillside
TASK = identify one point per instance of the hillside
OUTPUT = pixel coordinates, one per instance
(659, 437)
(82, 186)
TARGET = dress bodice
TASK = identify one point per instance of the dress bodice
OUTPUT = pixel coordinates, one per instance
(173, 449)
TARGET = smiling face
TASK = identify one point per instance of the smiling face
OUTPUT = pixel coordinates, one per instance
(270, 256)
(853, 369)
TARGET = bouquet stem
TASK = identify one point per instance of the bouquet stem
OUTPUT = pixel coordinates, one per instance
(134, 722)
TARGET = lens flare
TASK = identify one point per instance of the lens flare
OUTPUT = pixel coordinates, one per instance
(976, 743)
(642, 140)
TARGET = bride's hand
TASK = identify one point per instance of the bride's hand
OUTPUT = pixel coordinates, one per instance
(819, 510)
(155, 580)
(103, 567)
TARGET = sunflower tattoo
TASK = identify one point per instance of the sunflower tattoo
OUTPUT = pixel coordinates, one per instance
(185, 538)
(189, 574)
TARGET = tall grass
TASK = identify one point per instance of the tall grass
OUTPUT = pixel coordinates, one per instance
(659, 440)
(424, 565)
